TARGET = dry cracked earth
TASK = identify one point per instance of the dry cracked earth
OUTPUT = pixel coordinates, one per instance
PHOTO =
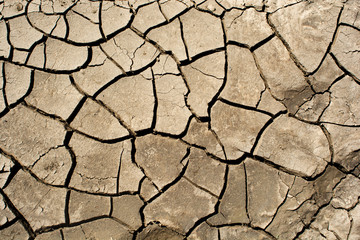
(169, 119)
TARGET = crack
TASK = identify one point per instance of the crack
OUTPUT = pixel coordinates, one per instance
(281, 204)
(18, 215)
(43, 154)
(201, 188)
(238, 105)
(206, 74)
(217, 205)
(287, 46)
(330, 142)
(247, 198)
(118, 173)
(183, 39)
(331, 42)
(343, 68)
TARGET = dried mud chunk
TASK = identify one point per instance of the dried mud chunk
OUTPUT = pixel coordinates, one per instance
(130, 51)
(200, 134)
(69, 58)
(100, 71)
(13, 8)
(158, 232)
(148, 189)
(270, 104)
(160, 157)
(4, 44)
(232, 208)
(172, 112)
(244, 84)
(6, 215)
(204, 78)
(22, 34)
(41, 205)
(53, 94)
(247, 27)
(344, 106)
(326, 75)
(313, 109)
(350, 13)
(147, 17)
(346, 142)
(346, 194)
(332, 223)
(113, 17)
(127, 209)
(99, 229)
(286, 143)
(14, 232)
(324, 185)
(237, 128)
(94, 120)
(28, 135)
(176, 202)
(82, 30)
(173, 8)
(346, 49)
(84, 206)
(204, 231)
(201, 167)
(355, 229)
(54, 166)
(229, 4)
(265, 183)
(169, 38)
(285, 81)
(132, 99)
(297, 210)
(5, 168)
(308, 28)
(242, 232)
(55, 235)
(90, 173)
(202, 32)
(17, 81)
(43, 22)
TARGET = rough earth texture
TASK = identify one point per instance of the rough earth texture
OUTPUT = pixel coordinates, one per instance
(179, 119)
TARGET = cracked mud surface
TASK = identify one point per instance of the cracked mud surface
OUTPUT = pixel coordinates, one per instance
(171, 119)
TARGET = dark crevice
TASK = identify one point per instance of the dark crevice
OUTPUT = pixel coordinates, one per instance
(18, 215)
(13, 171)
(156, 101)
(67, 205)
(118, 173)
(262, 42)
(216, 96)
(64, 225)
(330, 44)
(31, 85)
(343, 68)
(62, 234)
(238, 105)
(330, 142)
(111, 206)
(169, 185)
(280, 205)
(8, 224)
(216, 207)
(262, 130)
(183, 40)
(287, 46)
(247, 198)
(201, 55)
